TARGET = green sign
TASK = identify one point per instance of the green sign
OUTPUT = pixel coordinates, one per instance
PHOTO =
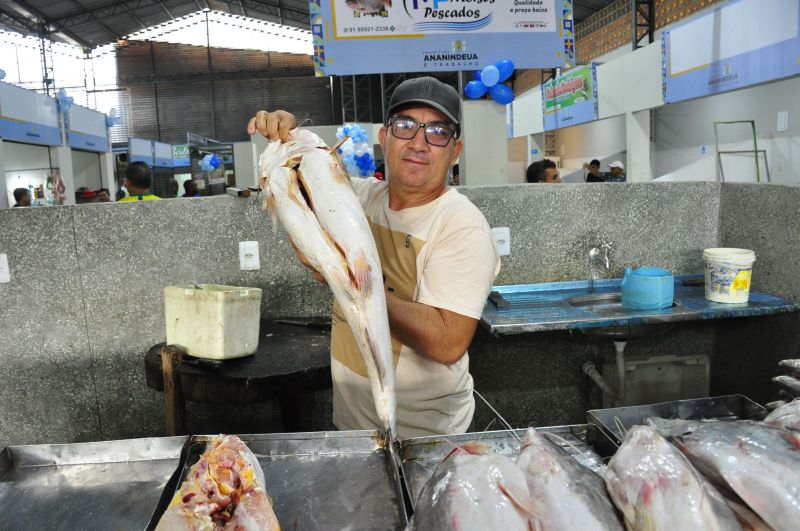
(180, 154)
(573, 87)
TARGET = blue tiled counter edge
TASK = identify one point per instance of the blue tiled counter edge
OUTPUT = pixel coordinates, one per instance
(544, 307)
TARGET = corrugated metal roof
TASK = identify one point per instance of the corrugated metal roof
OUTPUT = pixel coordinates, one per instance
(91, 23)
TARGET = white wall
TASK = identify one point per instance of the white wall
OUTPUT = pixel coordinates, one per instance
(682, 129)
(592, 140)
(86, 169)
(245, 162)
(527, 110)
(485, 156)
(631, 82)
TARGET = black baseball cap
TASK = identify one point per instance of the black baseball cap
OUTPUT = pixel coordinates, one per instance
(431, 92)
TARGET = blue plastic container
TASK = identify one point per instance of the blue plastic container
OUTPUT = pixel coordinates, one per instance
(647, 288)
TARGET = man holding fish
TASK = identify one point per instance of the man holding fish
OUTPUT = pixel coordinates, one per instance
(438, 259)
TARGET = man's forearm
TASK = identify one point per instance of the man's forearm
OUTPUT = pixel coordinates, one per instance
(426, 330)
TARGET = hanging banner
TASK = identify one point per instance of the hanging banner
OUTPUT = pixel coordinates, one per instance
(735, 45)
(570, 98)
(384, 36)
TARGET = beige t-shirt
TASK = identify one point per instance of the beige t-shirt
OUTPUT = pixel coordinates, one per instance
(441, 254)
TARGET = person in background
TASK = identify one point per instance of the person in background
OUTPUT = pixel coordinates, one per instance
(173, 188)
(190, 189)
(616, 172)
(22, 196)
(454, 178)
(120, 194)
(103, 195)
(594, 175)
(138, 178)
(424, 230)
(543, 171)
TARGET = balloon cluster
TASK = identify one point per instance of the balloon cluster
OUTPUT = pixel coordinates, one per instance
(356, 154)
(112, 119)
(210, 162)
(490, 80)
(64, 102)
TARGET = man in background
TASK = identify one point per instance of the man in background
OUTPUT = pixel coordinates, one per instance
(138, 178)
(594, 175)
(190, 188)
(103, 195)
(22, 196)
(543, 171)
(616, 172)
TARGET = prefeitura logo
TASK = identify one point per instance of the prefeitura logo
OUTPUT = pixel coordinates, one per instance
(448, 15)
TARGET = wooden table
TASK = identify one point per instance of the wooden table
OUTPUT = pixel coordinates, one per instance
(293, 358)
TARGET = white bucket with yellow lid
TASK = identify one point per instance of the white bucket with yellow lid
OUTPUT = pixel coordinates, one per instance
(728, 274)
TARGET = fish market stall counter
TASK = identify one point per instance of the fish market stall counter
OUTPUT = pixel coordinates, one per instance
(87, 486)
(580, 305)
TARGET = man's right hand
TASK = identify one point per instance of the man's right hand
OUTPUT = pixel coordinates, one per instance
(273, 125)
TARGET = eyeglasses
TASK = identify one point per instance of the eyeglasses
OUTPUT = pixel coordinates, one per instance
(435, 134)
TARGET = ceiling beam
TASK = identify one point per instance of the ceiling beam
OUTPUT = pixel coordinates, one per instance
(166, 10)
(95, 19)
(25, 12)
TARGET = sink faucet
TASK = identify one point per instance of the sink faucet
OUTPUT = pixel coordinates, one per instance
(600, 254)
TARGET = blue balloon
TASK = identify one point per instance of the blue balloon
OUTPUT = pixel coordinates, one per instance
(506, 68)
(476, 75)
(490, 76)
(475, 89)
(502, 94)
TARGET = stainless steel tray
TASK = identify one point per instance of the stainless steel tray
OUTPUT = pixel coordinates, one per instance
(419, 456)
(727, 407)
(98, 485)
(322, 480)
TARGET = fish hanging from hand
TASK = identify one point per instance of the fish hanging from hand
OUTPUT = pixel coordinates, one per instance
(308, 190)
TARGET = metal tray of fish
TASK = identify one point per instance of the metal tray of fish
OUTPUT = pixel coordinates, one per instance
(727, 407)
(95, 485)
(321, 480)
(419, 456)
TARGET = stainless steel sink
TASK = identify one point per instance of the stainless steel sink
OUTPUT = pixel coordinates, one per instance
(610, 305)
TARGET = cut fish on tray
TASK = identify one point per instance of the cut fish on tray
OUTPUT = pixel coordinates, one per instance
(223, 491)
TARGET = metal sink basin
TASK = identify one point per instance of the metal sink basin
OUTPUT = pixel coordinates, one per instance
(610, 305)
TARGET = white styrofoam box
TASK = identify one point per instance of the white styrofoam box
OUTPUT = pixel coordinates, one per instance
(212, 320)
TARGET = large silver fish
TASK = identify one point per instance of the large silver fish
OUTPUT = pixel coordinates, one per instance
(308, 190)
(569, 495)
(655, 487)
(760, 463)
(472, 489)
(786, 416)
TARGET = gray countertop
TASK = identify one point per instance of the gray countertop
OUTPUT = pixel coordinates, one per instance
(564, 306)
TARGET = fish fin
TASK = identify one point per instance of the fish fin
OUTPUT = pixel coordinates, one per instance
(523, 500)
(339, 143)
(361, 272)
